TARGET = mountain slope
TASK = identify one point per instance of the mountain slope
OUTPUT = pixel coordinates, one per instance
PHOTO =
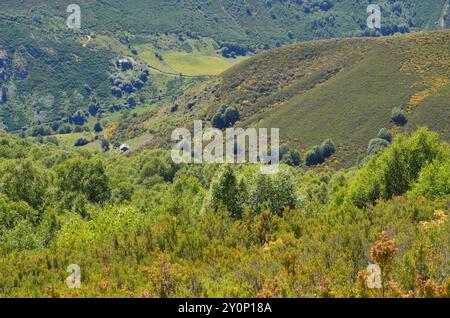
(340, 89)
(250, 22)
(49, 65)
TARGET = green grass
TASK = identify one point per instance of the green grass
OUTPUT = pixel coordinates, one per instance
(190, 57)
(195, 64)
(434, 111)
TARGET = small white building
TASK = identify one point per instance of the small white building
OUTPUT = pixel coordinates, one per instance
(124, 148)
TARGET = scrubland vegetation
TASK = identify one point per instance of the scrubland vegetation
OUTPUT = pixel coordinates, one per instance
(142, 226)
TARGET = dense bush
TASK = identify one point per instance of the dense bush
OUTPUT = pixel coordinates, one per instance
(154, 167)
(376, 145)
(80, 142)
(225, 117)
(399, 116)
(396, 169)
(79, 118)
(314, 156)
(385, 134)
(41, 130)
(290, 157)
(85, 177)
(227, 192)
(65, 129)
(328, 148)
(318, 154)
(98, 127)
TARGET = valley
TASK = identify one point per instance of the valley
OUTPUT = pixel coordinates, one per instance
(95, 204)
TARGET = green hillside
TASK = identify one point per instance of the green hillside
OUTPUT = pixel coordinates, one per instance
(251, 22)
(340, 89)
(51, 72)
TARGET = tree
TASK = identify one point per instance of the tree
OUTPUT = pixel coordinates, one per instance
(155, 167)
(65, 129)
(24, 182)
(93, 109)
(284, 149)
(226, 192)
(105, 144)
(396, 169)
(80, 142)
(328, 148)
(217, 121)
(83, 176)
(225, 117)
(131, 101)
(138, 84)
(398, 116)
(274, 193)
(434, 179)
(144, 77)
(78, 118)
(231, 116)
(41, 130)
(292, 158)
(314, 156)
(116, 91)
(98, 127)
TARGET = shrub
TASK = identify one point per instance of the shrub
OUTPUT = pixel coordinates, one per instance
(398, 116)
(292, 158)
(105, 144)
(79, 118)
(314, 156)
(85, 177)
(231, 116)
(65, 129)
(98, 127)
(40, 131)
(376, 145)
(226, 192)
(52, 140)
(385, 134)
(93, 109)
(217, 121)
(284, 149)
(225, 117)
(394, 172)
(81, 142)
(328, 148)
